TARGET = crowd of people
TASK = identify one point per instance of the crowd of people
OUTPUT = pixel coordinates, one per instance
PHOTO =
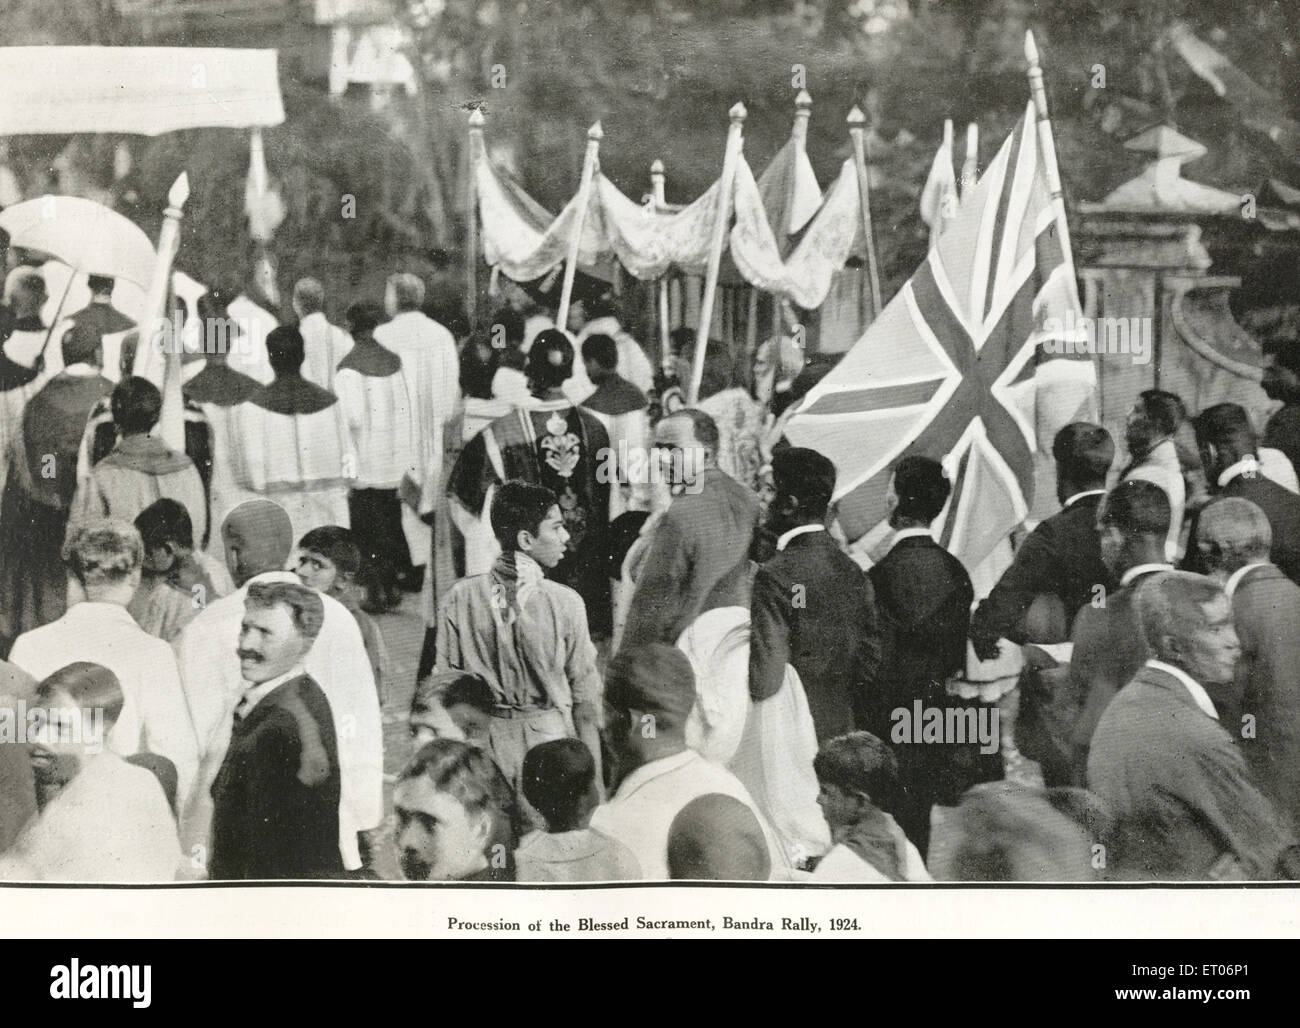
(648, 652)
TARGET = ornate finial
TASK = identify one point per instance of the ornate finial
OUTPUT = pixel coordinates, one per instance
(476, 118)
(738, 113)
(657, 167)
(803, 101)
(179, 192)
(595, 134)
(856, 118)
(1031, 49)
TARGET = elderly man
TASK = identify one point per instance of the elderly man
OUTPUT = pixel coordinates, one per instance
(1061, 557)
(651, 691)
(325, 344)
(1108, 647)
(104, 564)
(1185, 804)
(697, 559)
(1235, 538)
(258, 539)
(276, 797)
(1229, 450)
(431, 368)
(291, 442)
(812, 606)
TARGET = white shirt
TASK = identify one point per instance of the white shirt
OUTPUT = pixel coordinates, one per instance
(260, 691)
(910, 533)
(337, 662)
(1194, 687)
(1142, 569)
(324, 345)
(155, 716)
(784, 541)
(641, 812)
(1079, 496)
(1234, 579)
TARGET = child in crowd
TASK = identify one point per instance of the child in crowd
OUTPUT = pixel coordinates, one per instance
(559, 781)
(858, 776)
(175, 581)
(329, 561)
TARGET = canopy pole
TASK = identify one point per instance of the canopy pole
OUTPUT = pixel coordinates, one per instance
(471, 215)
(594, 135)
(661, 287)
(857, 123)
(722, 216)
(1047, 144)
(970, 167)
(158, 356)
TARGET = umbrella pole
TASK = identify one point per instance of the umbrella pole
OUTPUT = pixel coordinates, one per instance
(58, 311)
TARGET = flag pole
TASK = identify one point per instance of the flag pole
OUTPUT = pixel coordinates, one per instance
(970, 168)
(471, 215)
(158, 354)
(857, 125)
(1047, 145)
(661, 287)
(594, 135)
(723, 214)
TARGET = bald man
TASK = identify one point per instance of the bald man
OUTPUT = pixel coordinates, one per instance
(715, 837)
(258, 539)
(1234, 539)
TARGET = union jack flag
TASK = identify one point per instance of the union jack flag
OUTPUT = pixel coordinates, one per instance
(954, 368)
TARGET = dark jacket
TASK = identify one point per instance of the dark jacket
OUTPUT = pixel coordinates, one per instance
(276, 797)
(1061, 558)
(813, 608)
(1283, 433)
(1280, 506)
(697, 560)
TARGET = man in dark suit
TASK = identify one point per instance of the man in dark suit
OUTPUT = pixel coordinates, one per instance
(1132, 526)
(1264, 715)
(812, 606)
(1183, 800)
(923, 596)
(1281, 381)
(1061, 558)
(698, 555)
(1229, 451)
(276, 797)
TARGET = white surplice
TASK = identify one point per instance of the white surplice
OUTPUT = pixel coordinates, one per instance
(324, 346)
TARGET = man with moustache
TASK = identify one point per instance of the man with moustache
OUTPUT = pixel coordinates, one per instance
(276, 797)
(1184, 802)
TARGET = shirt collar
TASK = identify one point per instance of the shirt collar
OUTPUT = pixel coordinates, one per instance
(1079, 496)
(257, 693)
(1142, 569)
(648, 772)
(1248, 465)
(81, 370)
(910, 533)
(1234, 579)
(784, 541)
(1199, 695)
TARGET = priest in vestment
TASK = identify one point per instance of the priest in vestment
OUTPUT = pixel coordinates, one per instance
(624, 410)
(101, 317)
(26, 362)
(554, 444)
(377, 399)
(290, 442)
(141, 468)
(432, 370)
(42, 481)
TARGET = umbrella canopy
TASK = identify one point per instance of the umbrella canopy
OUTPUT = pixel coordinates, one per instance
(83, 234)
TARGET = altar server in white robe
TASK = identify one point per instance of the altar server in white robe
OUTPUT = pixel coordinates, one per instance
(325, 344)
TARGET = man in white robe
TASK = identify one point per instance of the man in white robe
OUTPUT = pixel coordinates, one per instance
(290, 442)
(432, 369)
(325, 344)
(601, 317)
(258, 539)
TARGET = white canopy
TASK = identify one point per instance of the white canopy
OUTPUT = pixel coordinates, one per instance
(53, 90)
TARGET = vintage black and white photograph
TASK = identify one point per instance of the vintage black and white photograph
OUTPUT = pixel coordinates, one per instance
(561, 443)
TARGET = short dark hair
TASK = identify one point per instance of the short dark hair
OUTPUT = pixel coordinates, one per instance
(602, 350)
(512, 324)
(82, 344)
(922, 488)
(305, 605)
(1137, 507)
(703, 427)
(136, 404)
(100, 283)
(806, 475)
(338, 544)
(88, 685)
(550, 359)
(1084, 453)
(557, 777)
(654, 678)
(1286, 354)
(465, 773)
(604, 306)
(165, 521)
(364, 316)
(448, 689)
(285, 349)
(859, 762)
(519, 507)
(1165, 411)
(1225, 425)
